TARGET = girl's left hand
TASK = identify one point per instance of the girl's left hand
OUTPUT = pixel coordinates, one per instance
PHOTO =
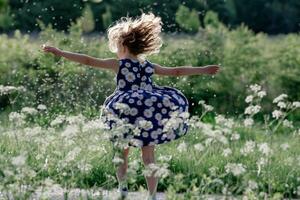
(212, 69)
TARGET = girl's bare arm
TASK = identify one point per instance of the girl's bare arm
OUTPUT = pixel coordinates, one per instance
(109, 63)
(185, 70)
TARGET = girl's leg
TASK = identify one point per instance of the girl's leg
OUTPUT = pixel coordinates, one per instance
(122, 168)
(148, 158)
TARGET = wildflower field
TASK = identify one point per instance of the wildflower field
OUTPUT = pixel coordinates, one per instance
(244, 131)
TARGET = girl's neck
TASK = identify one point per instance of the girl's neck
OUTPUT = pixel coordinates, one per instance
(131, 56)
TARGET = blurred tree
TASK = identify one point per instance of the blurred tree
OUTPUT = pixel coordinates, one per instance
(211, 19)
(88, 23)
(55, 12)
(107, 17)
(187, 20)
(6, 19)
(270, 16)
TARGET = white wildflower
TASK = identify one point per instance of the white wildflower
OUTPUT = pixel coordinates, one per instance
(208, 107)
(284, 146)
(248, 122)
(255, 88)
(248, 147)
(277, 114)
(121, 106)
(145, 124)
(182, 147)
(78, 119)
(252, 184)
(19, 160)
(72, 154)
(281, 104)
(252, 109)
(41, 107)
(29, 110)
(235, 169)
(227, 152)
(199, 147)
(249, 99)
(4, 90)
(17, 118)
(157, 170)
(264, 148)
(235, 136)
(261, 94)
(58, 120)
(280, 98)
(287, 123)
(296, 104)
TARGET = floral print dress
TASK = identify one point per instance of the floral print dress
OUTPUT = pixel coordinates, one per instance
(160, 112)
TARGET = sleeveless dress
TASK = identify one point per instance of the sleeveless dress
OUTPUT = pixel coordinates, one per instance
(146, 102)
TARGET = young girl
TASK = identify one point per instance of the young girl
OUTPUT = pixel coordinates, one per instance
(132, 40)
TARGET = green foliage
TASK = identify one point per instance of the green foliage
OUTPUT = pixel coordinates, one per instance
(187, 20)
(6, 20)
(88, 23)
(107, 17)
(245, 57)
(211, 19)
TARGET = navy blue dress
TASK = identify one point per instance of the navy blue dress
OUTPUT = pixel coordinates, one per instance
(146, 101)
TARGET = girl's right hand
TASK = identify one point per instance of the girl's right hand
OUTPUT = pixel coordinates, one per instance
(51, 49)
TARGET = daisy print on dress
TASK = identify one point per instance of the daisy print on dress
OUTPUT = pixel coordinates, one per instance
(130, 77)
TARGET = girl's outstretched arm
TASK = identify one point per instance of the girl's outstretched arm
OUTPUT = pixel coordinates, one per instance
(185, 70)
(109, 63)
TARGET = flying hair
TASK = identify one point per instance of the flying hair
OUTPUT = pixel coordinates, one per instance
(140, 35)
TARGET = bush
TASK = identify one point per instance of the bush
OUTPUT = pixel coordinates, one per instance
(187, 20)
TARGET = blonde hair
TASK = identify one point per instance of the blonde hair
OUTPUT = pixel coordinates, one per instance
(140, 36)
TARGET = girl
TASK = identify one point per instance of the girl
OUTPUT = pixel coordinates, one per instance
(132, 40)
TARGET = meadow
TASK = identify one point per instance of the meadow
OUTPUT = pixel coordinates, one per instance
(244, 125)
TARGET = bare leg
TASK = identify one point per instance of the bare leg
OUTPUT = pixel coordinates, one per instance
(148, 158)
(121, 173)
